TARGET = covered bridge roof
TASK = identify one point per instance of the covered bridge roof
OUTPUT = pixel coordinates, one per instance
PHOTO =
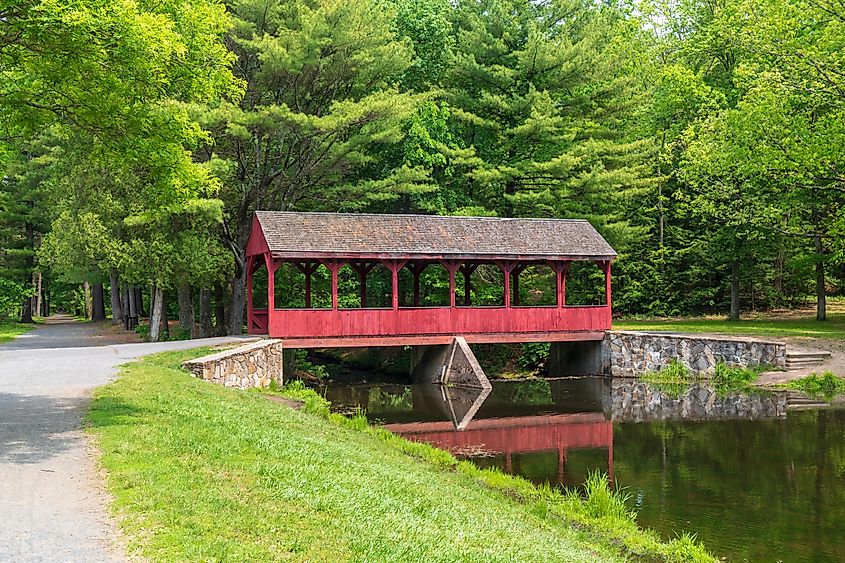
(326, 235)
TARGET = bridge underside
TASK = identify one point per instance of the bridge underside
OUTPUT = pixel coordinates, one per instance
(423, 340)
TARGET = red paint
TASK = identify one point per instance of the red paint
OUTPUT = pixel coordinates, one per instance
(516, 435)
(475, 323)
(372, 322)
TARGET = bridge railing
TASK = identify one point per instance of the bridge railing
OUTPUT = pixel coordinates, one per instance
(429, 321)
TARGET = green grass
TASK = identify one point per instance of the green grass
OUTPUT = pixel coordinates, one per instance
(834, 327)
(200, 472)
(672, 379)
(10, 330)
(826, 385)
(727, 379)
(675, 378)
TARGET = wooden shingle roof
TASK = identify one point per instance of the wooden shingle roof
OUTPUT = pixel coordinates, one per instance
(354, 235)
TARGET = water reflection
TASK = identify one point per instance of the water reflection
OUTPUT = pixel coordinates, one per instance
(755, 482)
(621, 400)
(637, 401)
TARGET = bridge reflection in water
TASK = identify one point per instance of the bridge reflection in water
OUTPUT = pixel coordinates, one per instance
(500, 425)
(548, 430)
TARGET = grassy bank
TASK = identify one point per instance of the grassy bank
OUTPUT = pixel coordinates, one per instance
(826, 385)
(675, 378)
(774, 327)
(199, 472)
(11, 330)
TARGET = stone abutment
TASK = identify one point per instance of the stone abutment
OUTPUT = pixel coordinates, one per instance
(253, 365)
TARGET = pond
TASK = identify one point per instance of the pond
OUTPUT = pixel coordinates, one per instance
(755, 482)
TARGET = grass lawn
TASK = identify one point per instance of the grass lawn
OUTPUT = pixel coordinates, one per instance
(200, 472)
(772, 326)
(10, 330)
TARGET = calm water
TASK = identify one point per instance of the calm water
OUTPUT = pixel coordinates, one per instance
(755, 482)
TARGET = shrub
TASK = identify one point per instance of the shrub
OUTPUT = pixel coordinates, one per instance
(11, 298)
(535, 355)
(826, 385)
(726, 378)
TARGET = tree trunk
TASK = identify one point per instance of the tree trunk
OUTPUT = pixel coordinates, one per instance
(116, 308)
(46, 296)
(86, 299)
(26, 311)
(205, 313)
(156, 309)
(98, 302)
(220, 310)
(821, 299)
(47, 303)
(132, 300)
(124, 307)
(235, 322)
(186, 309)
(139, 301)
(165, 322)
(38, 300)
(734, 291)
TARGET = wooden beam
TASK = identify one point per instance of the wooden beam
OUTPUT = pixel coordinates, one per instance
(518, 269)
(417, 268)
(394, 266)
(334, 267)
(424, 340)
(467, 270)
(271, 286)
(507, 266)
(451, 267)
(561, 268)
(363, 269)
(307, 268)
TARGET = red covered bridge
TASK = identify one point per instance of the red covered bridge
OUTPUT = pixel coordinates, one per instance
(408, 244)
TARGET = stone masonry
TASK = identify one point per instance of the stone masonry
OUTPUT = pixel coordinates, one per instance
(630, 354)
(253, 365)
(638, 401)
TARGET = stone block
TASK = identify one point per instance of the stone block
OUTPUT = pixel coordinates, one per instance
(253, 365)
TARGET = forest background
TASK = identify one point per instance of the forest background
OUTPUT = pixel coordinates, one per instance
(705, 139)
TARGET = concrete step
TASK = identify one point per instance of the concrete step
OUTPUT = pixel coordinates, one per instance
(807, 355)
(796, 400)
(805, 363)
(800, 359)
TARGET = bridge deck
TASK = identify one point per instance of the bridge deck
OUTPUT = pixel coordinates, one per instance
(490, 338)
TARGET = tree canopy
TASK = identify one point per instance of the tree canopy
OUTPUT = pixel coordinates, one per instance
(703, 139)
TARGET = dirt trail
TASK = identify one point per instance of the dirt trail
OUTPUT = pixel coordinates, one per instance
(52, 499)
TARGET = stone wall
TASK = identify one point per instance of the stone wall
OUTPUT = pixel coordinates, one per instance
(637, 401)
(630, 354)
(253, 365)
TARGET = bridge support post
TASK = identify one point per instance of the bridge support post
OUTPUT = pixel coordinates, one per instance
(577, 358)
(448, 364)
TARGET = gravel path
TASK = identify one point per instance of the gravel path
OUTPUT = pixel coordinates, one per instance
(52, 502)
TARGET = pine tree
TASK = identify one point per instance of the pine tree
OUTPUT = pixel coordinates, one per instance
(538, 92)
(23, 221)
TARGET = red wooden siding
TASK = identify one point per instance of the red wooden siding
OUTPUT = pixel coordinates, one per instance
(328, 323)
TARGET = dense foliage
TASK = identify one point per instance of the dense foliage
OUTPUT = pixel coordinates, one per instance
(704, 139)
